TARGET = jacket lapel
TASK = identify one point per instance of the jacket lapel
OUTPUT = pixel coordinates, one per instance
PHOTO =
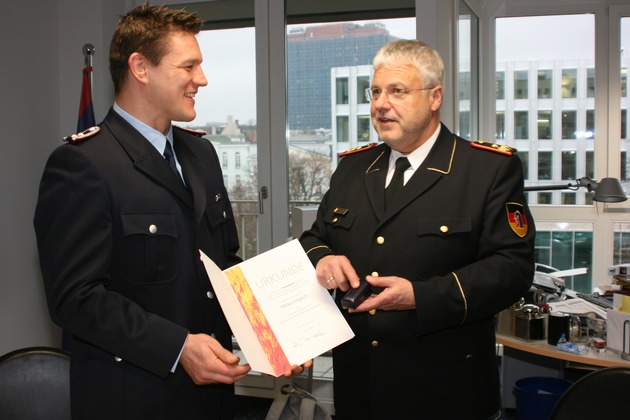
(437, 165)
(144, 156)
(375, 174)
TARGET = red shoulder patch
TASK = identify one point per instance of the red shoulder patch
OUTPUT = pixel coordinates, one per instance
(82, 136)
(358, 149)
(198, 133)
(493, 147)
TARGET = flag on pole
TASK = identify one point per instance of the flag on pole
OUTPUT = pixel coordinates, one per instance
(86, 110)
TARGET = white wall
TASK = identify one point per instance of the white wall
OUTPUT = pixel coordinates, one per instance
(40, 83)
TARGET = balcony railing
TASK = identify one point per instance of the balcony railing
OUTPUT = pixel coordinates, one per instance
(246, 214)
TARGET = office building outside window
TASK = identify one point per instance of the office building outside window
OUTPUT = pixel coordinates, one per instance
(521, 87)
(521, 124)
(545, 128)
(500, 85)
(545, 84)
(569, 124)
(568, 165)
(569, 83)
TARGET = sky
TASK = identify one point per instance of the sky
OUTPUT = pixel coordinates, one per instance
(546, 38)
(229, 66)
(229, 57)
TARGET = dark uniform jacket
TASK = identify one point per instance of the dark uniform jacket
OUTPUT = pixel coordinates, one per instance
(119, 238)
(461, 232)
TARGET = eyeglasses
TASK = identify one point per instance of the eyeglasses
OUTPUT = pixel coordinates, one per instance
(397, 94)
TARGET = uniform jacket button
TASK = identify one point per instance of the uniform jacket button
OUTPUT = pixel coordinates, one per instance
(380, 240)
(372, 312)
(152, 229)
(374, 343)
(210, 294)
(118, 359)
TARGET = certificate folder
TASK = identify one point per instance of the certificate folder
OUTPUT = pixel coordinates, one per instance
(277, 310)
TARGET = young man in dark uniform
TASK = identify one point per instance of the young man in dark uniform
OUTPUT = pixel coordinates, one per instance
(119, 234)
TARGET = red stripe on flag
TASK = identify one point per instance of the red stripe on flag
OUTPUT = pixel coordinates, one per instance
(86, 109)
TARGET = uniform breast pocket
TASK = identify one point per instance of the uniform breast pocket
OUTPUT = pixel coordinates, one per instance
(149, 251)
(445, 235)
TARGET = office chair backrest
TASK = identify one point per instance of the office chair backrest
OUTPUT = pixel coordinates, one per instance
(35, 384)
(602, 394)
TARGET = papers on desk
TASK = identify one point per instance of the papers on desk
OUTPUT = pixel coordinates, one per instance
(577, 306)
(277, 310)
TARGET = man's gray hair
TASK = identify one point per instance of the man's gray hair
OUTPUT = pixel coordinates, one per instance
(417, 53)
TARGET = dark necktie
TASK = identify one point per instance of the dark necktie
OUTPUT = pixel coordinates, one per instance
(397, 182)
(170, 159)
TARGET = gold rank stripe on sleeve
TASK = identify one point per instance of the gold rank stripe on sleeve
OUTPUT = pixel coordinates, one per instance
(493, 147)
(317, 247)
(461, 290)
(357, 149)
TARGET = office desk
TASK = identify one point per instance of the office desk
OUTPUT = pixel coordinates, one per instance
(523, 359)
(607, 359)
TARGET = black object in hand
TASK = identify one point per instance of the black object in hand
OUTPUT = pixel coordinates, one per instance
(354, 297)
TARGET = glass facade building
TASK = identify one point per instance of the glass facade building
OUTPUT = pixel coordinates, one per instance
(311, 52)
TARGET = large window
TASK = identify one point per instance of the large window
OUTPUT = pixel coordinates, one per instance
(467, 68)
(527, 49)
(564, 246)
(588, 105)
(328, 70)
(226, 111)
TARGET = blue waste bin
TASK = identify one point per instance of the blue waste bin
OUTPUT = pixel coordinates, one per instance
(537, 396)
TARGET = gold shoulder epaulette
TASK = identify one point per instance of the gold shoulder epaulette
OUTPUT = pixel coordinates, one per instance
(493, 147)
(82, 136)
(358, 149)
(198, 133)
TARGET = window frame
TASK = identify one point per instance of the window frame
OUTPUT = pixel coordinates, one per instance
(607, 17)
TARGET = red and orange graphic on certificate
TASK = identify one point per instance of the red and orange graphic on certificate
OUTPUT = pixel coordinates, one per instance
(278, 312)
(258, 321)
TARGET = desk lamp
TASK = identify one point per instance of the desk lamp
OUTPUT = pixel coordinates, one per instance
(608, 190)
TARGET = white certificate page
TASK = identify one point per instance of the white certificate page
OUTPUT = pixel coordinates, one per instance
(277, 310)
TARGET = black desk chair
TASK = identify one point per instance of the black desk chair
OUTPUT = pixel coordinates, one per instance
(601, 394)
(35, 384)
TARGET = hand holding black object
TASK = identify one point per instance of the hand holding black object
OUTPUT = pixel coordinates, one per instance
(355, 296)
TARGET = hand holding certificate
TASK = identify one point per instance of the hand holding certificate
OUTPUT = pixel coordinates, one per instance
(278, 312)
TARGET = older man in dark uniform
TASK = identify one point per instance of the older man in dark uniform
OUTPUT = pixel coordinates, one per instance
(447, 245)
